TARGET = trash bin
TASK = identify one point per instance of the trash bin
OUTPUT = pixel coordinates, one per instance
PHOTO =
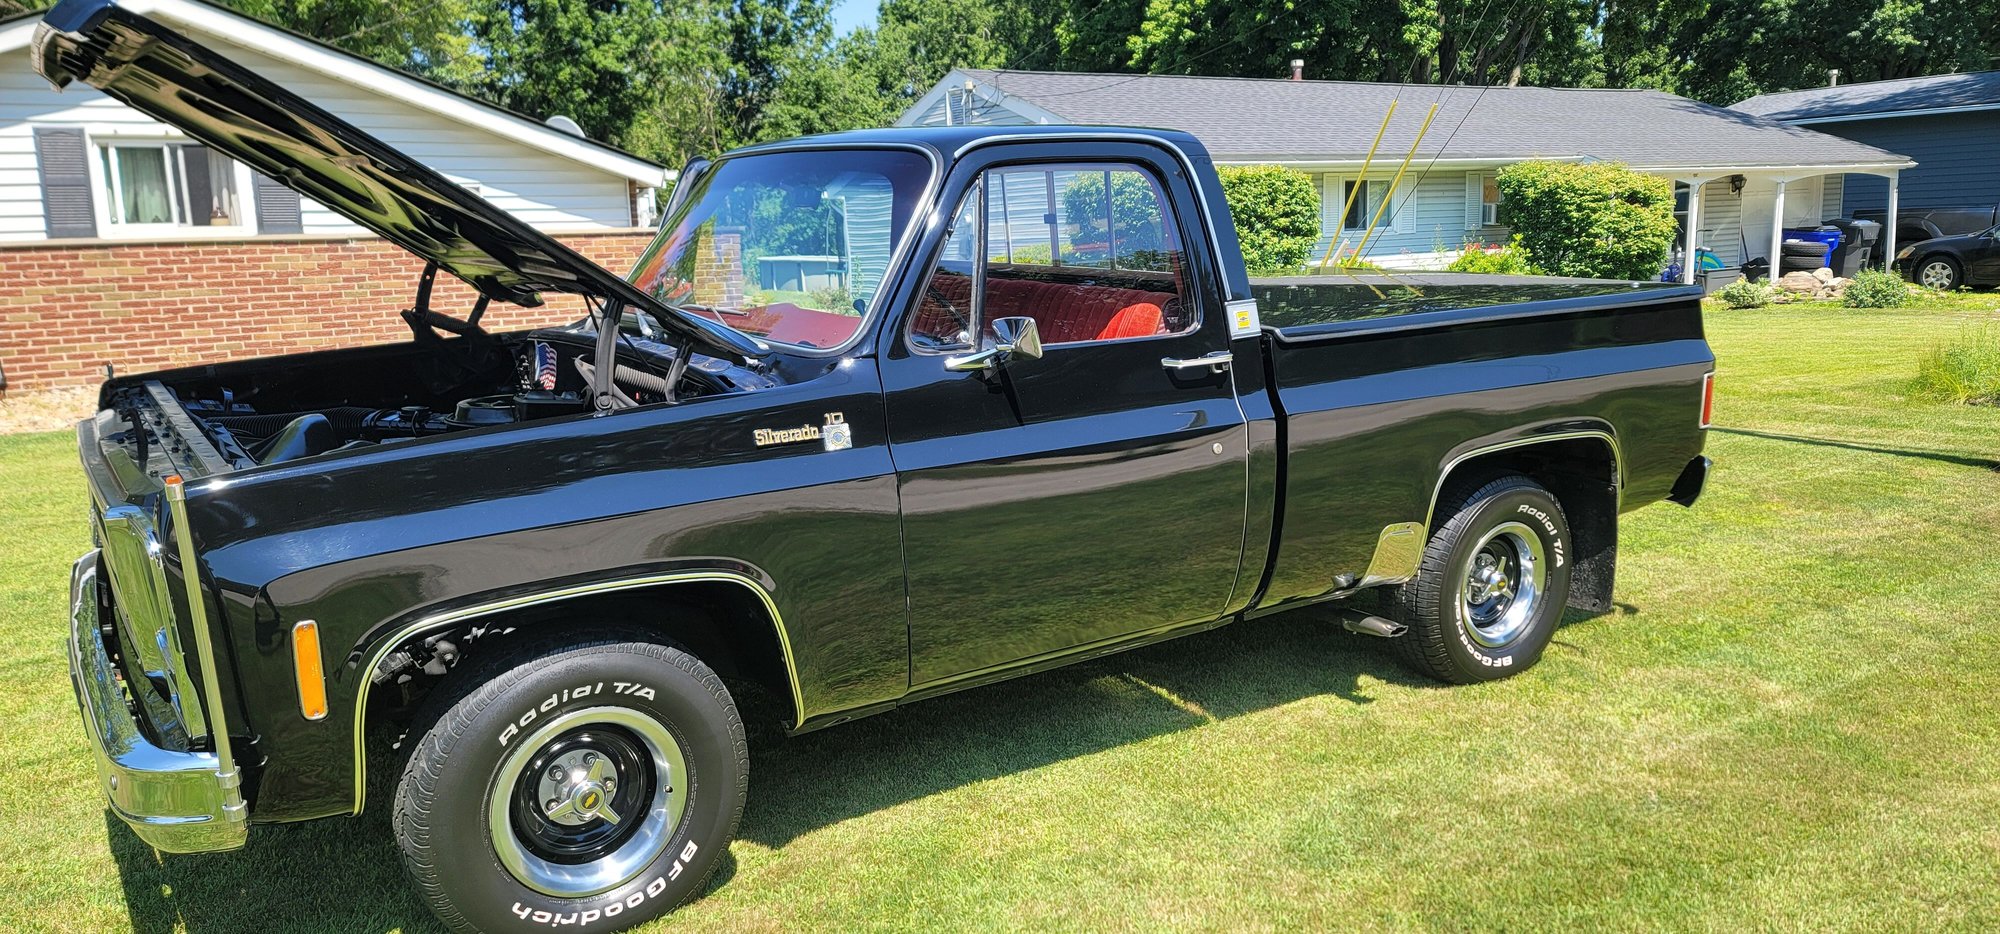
(1808, 249)
(1857, 245)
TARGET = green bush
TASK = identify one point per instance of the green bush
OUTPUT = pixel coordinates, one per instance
(1500, 259)
(1276, 210)
(1747, 293)
(1874, 288)
(1965, 371)
(1599, 220)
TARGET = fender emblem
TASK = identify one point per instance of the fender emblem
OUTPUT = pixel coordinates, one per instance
(835, 434)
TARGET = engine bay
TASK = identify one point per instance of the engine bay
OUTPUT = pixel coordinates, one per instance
(274, 411)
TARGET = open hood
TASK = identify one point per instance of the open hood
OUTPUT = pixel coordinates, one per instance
(173, 79)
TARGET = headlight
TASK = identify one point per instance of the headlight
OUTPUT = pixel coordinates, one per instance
(1904, 253)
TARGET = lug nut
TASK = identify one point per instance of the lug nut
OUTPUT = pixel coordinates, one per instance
(553, 804)
(555, 772)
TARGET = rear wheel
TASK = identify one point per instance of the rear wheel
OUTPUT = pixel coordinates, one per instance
(1492, 584)
(1938, 272)
(593, 784)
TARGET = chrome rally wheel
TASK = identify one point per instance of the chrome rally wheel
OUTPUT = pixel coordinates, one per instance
(1502, 584)
(587, 801)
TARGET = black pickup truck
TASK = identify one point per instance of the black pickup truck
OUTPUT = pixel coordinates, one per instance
(1044, 416)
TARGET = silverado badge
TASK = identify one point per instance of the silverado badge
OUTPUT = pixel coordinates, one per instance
(834, 434)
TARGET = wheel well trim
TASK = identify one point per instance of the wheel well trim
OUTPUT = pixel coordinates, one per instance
(1610, 440)
(556, 595)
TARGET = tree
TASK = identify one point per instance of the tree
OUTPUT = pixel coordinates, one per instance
(599, 62)
(422, 37)
(1597, 220)
(1445, 41)
(870, 76)
(768, 40)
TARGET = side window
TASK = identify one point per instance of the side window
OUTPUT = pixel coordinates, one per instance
(1091, 252)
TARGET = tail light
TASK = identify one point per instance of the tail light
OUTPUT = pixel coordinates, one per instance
(1707, 399)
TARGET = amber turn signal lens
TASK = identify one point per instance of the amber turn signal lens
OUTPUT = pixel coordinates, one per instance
(305, 662)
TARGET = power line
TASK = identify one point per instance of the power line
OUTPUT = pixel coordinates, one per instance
(1439, 152)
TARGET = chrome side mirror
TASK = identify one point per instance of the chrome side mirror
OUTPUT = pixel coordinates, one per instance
(1012, 337)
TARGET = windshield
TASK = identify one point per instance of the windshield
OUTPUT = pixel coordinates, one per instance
(787, 246)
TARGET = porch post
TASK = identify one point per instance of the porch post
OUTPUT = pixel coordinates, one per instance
(1693, 237)
(1889, 225)
(1778, 231)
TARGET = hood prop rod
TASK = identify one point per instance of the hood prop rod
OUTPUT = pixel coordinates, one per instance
(603, 388)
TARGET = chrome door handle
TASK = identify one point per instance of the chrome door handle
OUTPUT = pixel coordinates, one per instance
(1217, 361)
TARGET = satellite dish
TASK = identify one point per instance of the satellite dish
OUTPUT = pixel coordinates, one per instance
(566, 125)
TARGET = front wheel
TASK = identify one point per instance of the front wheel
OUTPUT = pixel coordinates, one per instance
(592, 785)
(1491, 587)
(1938, 272)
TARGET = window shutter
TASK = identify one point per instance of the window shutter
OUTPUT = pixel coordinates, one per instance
(63, 158)
(277, 206)
(1475, 198)
(1402, 215)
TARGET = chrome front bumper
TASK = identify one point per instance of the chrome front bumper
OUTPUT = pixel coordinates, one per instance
(179, 802)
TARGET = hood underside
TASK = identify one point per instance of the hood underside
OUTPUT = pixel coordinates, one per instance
(167, 76)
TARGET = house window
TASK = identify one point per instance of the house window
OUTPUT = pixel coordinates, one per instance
(149, 186)
(1357, 205)
(1489, 202)
(1363, 200)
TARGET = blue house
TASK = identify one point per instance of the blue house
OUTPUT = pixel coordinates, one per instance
(1741, 178)
(1950, 124)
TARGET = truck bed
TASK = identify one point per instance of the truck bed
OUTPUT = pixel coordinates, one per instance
(1381, 382)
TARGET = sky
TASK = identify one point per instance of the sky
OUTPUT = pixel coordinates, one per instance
(848, 14)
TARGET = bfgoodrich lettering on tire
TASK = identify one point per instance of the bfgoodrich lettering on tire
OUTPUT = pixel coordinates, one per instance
(1492, 584)
(588, 785)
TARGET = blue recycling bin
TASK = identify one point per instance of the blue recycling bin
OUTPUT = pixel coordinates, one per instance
(1826, 235)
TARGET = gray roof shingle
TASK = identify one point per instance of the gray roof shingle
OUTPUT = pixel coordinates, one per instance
(1301, 121)
(1979, 88)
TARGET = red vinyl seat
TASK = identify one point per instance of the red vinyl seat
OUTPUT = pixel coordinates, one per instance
(1063, 312)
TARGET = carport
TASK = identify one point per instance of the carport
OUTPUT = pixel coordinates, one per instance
(1741, 212)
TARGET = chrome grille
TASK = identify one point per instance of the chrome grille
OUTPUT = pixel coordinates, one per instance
(143, 611)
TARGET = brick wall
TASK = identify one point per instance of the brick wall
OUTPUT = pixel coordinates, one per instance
(66, 310)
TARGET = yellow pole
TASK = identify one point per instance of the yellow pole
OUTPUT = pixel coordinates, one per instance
(1333, 243)
(1398, 180)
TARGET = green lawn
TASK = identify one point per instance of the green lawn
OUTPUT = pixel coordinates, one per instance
(1791, 723)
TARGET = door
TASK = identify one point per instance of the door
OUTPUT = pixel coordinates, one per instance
(1982, 259)
(1094, 493)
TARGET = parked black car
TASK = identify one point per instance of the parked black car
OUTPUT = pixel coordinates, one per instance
(1949, 262)
(1018, 439)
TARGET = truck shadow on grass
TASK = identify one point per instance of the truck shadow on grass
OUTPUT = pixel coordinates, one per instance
(347, 875)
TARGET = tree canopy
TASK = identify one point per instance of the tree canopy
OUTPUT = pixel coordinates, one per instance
(675, 80)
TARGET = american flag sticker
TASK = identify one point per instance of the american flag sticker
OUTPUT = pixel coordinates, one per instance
(545, 366)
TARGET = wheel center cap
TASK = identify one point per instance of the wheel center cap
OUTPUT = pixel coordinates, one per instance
(587, 797)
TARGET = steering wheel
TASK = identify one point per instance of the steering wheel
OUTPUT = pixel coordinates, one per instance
(964, 326)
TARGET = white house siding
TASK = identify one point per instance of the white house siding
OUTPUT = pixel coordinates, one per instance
(1434, 220)
(1722, 223)
(969, 109)
(547, 191)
